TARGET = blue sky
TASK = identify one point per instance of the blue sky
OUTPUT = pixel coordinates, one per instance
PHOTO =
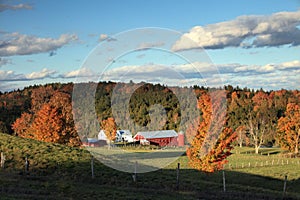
(252, 43)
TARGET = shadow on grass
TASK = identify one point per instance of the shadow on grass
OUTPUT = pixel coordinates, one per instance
(60, 172)
(264, 151)
(72, 179)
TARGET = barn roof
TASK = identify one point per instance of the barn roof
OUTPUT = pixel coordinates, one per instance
(157, 134)
(92, 140)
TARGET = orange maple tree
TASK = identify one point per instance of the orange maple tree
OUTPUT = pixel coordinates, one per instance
(21, 125)
(51, 119)
(191, 130)
(47, 124)
(212, 142)
(110, 129)
(62, 102)
(289, 128)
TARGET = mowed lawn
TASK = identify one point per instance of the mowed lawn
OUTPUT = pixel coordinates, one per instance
(60, 172)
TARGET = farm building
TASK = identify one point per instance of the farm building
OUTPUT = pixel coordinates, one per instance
(121, 135)
(160, 138)
(102, 136)
(92, 142)
(124, 136)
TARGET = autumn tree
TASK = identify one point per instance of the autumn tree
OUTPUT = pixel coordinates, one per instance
(289, 128)
(21, 125)
(238, 111)
(47, 125)
(50, 118)
(110, 129)
(62, 102)
(212, 142)
(260, 119)
(258, 112)
(40, 96)
(191, 130)
(280, 100)
(241, 135)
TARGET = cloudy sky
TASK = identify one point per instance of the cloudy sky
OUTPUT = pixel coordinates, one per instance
(254, 44)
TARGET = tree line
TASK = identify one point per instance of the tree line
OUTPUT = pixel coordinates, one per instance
(251, 118)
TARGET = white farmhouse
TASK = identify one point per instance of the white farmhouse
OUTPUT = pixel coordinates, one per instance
(121, 136)
(124, 136)
(102, 136)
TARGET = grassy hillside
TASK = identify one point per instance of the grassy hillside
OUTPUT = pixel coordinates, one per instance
(60, 172)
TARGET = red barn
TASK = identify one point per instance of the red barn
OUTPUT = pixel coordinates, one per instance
(180, 139)
(160, 138)
(91, 142)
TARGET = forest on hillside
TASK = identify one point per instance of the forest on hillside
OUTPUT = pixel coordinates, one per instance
(44, 112)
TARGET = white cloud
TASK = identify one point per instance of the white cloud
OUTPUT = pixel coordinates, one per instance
(12, 76)
(267, 76)
(18, 44)
(82, 72)
(45, 73)
(4, 7)
(295, 64)
(244, 31)
(255, 68)
(106, 37)
(103, 37)
(191, 73)
(270, 67)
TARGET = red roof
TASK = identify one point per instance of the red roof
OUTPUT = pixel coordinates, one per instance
(155, 134)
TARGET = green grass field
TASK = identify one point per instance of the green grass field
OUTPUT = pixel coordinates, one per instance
(60, 172)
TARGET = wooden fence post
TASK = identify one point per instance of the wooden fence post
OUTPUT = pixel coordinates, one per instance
(92, 167)
(27, 165)
(135, 169)
(177, 177)
(224, 181)
(284, 185)
(2, 160)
